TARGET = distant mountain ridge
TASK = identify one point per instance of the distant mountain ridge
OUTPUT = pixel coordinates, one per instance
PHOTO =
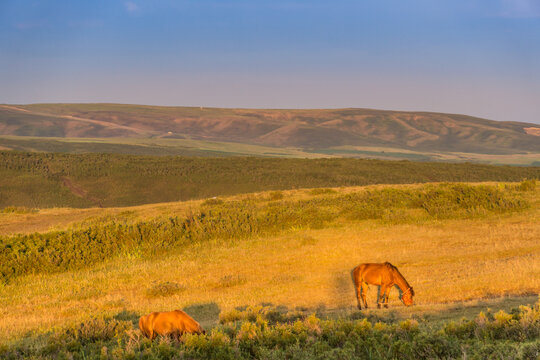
(306, 129)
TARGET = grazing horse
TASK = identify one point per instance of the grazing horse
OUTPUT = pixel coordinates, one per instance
(171, 323)
(386, 276)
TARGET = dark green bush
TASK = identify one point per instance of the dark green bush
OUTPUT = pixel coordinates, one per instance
(322, 191)
(275, 195)
(527, 185)
(18, 210)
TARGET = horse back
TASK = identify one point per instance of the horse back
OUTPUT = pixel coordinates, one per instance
(169, 323)
(373, 273)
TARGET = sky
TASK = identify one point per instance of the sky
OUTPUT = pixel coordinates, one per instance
(475, 57)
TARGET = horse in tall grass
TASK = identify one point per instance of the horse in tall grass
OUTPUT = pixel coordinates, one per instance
(386, 276)
(171, 323)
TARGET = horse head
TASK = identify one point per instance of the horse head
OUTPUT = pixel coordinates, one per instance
(407, 296)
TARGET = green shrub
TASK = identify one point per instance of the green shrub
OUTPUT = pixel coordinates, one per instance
(527, 185)
(230, 281)
(322, 191)
(18, 210)
(164, 289)
(275, 195)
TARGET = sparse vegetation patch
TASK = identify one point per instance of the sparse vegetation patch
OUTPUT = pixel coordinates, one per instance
(268, 333)
(164, 289)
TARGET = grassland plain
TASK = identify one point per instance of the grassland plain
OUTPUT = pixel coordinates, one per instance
(462, 247)
(205, 148)
(43, 180)
(155, 147)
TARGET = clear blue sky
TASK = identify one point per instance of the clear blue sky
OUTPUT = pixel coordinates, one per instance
(478, 57)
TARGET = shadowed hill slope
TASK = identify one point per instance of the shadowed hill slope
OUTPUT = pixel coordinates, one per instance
(306, 129)
(109, 180)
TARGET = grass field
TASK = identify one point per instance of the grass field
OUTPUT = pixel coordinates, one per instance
(466, 260)
(202, 148)
(149, 146)
(452, 265)
(388, 153)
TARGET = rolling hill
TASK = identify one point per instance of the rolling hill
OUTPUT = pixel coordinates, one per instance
(275, 265)
(334, 131)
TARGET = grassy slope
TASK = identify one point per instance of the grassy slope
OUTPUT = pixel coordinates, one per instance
(455, 265)
(68, 180)
(306, 129)
(145, 146)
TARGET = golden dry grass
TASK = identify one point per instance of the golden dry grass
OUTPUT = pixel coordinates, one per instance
(448, 262)
(43, 220)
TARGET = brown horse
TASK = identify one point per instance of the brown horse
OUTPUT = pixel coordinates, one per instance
(171, 323)
(386, 276)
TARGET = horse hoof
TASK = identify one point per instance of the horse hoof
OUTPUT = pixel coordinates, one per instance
(386, 306)
(378, 306)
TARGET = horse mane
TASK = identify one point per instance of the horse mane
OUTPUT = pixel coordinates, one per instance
(399, 274)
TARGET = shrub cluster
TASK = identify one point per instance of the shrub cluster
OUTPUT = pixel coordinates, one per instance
(80, 247)
(257, 335)
(18, 210)
(164, 289)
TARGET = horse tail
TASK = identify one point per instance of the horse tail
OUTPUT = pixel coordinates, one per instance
(352, 277)
(355, 285)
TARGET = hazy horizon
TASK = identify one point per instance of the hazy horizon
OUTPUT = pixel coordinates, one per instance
(479, 57)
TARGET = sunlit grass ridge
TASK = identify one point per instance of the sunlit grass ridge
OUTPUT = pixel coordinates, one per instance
(252, 216)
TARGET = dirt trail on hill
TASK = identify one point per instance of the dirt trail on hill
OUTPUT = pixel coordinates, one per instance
(76, 118)
(78, 191)
(15, 108)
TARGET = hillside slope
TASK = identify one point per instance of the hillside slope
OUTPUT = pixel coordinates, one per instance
(108, 180)
(306, 129)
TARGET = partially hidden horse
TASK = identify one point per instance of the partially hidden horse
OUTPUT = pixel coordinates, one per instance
(386, 276)
(171, 323)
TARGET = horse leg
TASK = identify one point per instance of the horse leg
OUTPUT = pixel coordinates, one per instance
(359, 296)
(358, 289)
(364, 293)
(386, 295)
(382, 291)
